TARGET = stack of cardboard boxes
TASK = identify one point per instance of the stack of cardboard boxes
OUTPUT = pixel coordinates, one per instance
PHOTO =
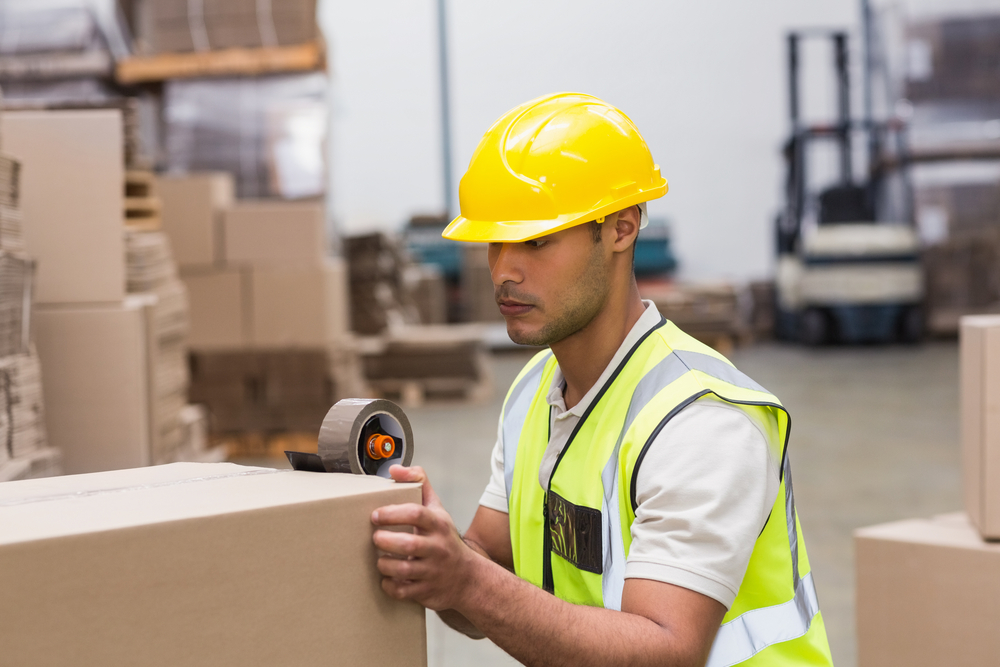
(953, 58)
(165, 26)
(151, 271)
(928, 589)
(23, 449)
(268, 304)
(114, 359)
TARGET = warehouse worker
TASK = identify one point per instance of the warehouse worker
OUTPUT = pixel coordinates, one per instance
(640, 509)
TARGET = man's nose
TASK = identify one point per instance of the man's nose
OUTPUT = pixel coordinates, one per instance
(504, 264)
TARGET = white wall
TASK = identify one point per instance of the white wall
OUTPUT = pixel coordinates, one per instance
(704, 81)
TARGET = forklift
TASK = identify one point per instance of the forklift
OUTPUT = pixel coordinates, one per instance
(844, 273)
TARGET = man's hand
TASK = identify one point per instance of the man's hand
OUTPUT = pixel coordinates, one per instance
(431, 565)
(659, 624)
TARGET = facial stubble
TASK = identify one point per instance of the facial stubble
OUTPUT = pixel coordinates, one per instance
(580, 304)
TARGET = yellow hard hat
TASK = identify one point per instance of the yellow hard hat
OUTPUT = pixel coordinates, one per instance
(552, 163)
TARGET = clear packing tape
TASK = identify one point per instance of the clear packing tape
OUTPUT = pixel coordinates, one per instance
(24, 500)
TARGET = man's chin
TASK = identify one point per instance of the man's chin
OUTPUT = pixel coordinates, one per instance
(524, 336)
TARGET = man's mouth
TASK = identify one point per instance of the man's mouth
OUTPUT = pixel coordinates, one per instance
(513, 307)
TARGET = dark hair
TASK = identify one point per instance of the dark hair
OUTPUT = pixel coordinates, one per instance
(595, 230)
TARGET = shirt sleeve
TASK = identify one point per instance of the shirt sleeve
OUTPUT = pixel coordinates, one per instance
(495, 494)
(704, 492)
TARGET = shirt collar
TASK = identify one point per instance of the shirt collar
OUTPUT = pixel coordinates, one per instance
(646, 322)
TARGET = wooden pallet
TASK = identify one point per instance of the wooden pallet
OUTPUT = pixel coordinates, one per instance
(415, 392)
(225, 62)
(252, 444)
(142, 206)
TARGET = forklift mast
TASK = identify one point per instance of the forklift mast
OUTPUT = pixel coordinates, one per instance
(846, 201)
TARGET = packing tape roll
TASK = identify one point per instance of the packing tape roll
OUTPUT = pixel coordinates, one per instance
(348, 427)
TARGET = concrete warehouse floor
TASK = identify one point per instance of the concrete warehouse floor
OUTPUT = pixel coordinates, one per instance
(874, 439)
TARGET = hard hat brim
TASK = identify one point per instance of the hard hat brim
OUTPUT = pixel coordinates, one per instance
(516, 231)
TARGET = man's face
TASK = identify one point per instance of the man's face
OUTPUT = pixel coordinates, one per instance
(551, 287)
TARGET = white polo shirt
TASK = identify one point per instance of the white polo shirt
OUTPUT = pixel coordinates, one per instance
(704, 491)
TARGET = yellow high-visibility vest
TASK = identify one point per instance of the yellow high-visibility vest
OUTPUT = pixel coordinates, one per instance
(573, 538)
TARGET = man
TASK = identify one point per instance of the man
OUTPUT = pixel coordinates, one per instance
(640, 510)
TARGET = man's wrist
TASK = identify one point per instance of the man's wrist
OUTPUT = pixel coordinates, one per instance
(475, 580)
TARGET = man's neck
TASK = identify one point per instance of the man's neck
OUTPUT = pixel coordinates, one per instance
(583, 356)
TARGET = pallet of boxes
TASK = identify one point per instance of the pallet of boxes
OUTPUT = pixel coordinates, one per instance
(24, 451)
(712, 313)
(406, 352)
(928, 590)
(268, 305)
(111, 314)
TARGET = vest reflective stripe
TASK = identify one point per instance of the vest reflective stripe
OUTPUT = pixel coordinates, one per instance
(515, 410)
(718, 369)
(663, 373)
(669, 369)
(748, 634)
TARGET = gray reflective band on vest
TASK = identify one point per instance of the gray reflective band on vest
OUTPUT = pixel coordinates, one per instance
(748, 634)
(515, 412)
(613, 581)
(719, 369)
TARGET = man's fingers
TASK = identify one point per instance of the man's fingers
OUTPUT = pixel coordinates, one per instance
(402, 544)
(405, 515)
(407, 474)
(397, 568)
(403, 590)
(416, 474)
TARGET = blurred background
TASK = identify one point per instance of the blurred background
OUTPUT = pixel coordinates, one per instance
(218, 217)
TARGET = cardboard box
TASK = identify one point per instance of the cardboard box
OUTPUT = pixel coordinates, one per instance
(928, 594)
(72, 171)
(200, 564)
(192, 206)
(219, 307)
(980, 406)
(299, 307)
(264, 391)
(95, 367)
(270, 232)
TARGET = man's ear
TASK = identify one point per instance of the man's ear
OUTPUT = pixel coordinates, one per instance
(626, 228)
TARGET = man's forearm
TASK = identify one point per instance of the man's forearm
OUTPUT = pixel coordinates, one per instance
(538, 628)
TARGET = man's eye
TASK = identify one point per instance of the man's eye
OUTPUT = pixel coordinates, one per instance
(535, 243)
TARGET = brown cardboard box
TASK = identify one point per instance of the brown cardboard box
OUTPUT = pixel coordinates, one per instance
(200, 564)
(191, 212)
(220, 307)
(95, 365)
(255, 390)
(299, 307)
(928, 594)
(71, 196)
(980, 401)
(270, 232)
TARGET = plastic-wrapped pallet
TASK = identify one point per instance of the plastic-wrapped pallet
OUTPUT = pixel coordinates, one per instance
(59, 39)
(268, 131)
